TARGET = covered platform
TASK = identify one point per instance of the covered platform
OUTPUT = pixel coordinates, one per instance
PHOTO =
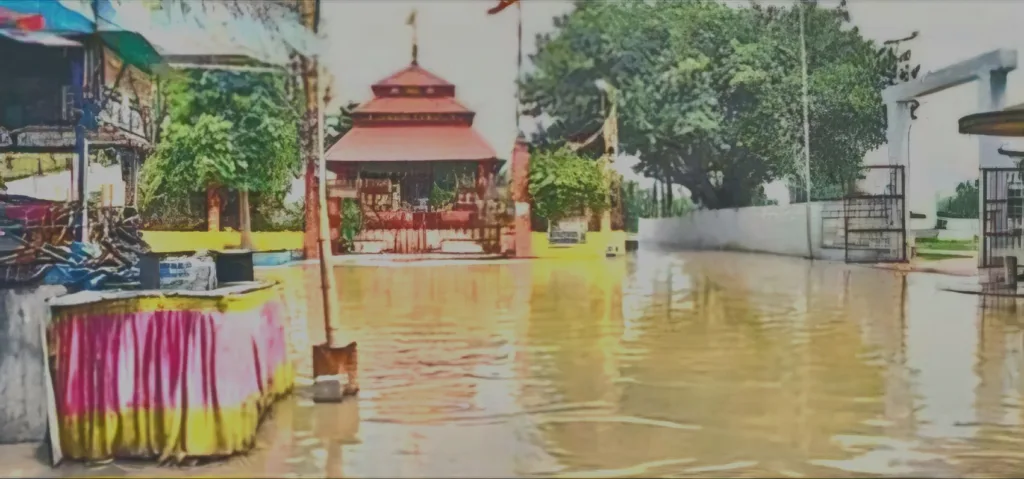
(165, 375)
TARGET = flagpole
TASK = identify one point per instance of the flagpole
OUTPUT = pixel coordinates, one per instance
(519, 62)
(807, 131)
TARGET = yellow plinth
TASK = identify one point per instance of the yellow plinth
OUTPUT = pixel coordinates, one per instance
(595, 247)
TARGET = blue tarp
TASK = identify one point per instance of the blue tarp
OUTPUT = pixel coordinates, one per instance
(57, 18)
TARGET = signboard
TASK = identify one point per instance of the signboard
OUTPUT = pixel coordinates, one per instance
(342, 191)
(568, 231)
(47, 139)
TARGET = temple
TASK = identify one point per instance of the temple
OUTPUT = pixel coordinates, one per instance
(418, 171)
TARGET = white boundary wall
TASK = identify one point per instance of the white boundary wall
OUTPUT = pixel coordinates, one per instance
(776, 229)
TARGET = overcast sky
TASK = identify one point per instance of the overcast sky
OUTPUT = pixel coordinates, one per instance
(460, 42)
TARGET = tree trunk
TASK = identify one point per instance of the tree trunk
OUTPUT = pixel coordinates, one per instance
(245, 220)
(212, 208)
(669, 199)
(655, 208)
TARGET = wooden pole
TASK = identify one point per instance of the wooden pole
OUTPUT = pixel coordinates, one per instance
(308, 10)
(330, 299)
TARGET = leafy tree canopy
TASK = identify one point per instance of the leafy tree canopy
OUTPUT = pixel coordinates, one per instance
(338, 123)
(565, 184)
(235, 130)
(710, 96)
(964, 204)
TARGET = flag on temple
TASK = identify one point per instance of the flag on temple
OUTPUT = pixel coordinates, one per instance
(502, 4)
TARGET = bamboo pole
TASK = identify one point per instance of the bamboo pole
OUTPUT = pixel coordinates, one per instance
(330, 299)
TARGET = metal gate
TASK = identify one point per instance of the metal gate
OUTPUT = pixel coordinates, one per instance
(1002, 207)
(874, 217)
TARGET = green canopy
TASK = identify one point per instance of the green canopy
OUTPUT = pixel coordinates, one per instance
(133, 49)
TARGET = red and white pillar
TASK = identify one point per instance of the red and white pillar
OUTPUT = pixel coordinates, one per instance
(521, 198)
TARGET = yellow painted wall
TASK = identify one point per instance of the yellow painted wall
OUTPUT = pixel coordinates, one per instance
(167, 241)
(597, 243)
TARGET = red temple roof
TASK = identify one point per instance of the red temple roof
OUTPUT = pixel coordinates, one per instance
(413, 75)
(414, 116)
(411, 143)
(412, 105)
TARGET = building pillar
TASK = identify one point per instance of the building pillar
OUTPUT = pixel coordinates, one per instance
(897, 135)
(212, 208)
(991, 97)
(521, 196)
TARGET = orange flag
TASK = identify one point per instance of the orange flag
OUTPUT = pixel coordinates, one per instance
(502, 4)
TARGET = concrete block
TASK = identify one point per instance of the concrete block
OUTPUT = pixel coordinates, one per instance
(22, 389)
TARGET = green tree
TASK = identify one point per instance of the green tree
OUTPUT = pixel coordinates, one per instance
(710, 95)
(337, 124)
(564, 184)
(234, 130)
(964, 204)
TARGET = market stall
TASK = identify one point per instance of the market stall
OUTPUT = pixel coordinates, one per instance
(166, 374)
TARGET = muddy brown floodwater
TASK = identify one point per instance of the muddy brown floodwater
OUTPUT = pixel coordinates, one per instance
(659, 364)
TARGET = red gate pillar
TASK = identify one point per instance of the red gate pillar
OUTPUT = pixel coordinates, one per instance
(334, 213)
(521, 197)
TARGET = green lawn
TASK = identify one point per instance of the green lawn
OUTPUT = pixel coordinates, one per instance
(946, 245)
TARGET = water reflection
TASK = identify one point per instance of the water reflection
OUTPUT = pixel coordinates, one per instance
(661, 364)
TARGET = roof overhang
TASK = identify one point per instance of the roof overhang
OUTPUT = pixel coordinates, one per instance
(1007, 122)
(400, 144)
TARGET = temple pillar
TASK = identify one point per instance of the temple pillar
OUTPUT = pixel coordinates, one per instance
(481, 204)
(521, 197)
(212, 208)
(334, 215)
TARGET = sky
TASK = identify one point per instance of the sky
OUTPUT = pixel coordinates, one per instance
(368, 40)
(460, 42)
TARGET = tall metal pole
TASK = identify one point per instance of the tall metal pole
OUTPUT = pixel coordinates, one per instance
(807, 131)
(519, 61)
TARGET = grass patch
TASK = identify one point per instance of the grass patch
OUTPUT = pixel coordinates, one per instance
(938, 257)
(946, 245)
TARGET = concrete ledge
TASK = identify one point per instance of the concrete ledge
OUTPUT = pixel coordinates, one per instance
(23, 312)
(968, 287)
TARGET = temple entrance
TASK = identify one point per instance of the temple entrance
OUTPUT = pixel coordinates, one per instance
(874, 217)
(418, 208)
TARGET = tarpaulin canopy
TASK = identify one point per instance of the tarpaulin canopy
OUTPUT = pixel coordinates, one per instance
(88, 17)
(57, 18)
(181, 29)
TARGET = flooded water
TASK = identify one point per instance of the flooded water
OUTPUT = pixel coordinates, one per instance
(672, 365)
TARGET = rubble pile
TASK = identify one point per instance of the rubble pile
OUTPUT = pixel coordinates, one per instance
(37, 245)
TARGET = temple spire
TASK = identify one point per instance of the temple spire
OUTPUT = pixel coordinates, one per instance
(411, 21)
